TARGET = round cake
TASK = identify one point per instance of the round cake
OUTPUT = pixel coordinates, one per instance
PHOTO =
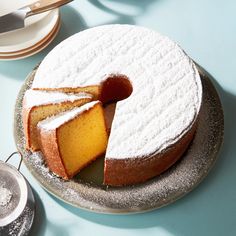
(155, 84)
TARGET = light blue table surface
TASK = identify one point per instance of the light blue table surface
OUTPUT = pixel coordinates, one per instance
(206, 29)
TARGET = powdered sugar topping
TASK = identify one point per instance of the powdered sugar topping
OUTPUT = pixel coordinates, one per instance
(36, 97)
(55, 121)
(167, 90)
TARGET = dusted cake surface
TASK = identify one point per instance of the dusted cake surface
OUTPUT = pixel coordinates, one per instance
(38, 98)
(167, 92)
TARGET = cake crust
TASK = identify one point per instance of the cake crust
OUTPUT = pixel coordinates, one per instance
(49, 147)
(120, 172)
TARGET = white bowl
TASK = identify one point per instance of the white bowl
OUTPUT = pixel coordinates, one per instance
(12, 179)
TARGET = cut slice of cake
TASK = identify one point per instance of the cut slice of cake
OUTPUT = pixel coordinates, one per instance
(38, 105)
(72, 139)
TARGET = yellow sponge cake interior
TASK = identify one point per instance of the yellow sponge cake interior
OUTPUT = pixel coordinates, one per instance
(72, 139)
(39, 105)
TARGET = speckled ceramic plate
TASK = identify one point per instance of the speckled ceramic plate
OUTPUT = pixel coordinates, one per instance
(86, 190)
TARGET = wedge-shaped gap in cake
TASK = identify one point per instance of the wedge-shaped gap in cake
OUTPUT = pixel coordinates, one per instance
(68, 139)
(115, 88)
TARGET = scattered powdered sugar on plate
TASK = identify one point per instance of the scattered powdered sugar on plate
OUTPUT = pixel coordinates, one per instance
(5, 196)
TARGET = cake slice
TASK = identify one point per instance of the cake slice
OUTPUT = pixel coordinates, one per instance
(38, 105)
(72, 139)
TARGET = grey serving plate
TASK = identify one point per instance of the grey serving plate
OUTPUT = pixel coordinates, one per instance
(87, 191)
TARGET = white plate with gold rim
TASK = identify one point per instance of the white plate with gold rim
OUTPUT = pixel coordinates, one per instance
(33, 49)
(37, 28)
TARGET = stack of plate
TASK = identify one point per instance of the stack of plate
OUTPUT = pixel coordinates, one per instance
(39, 32)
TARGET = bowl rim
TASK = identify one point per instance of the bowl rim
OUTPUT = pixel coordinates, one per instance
(23, 194)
